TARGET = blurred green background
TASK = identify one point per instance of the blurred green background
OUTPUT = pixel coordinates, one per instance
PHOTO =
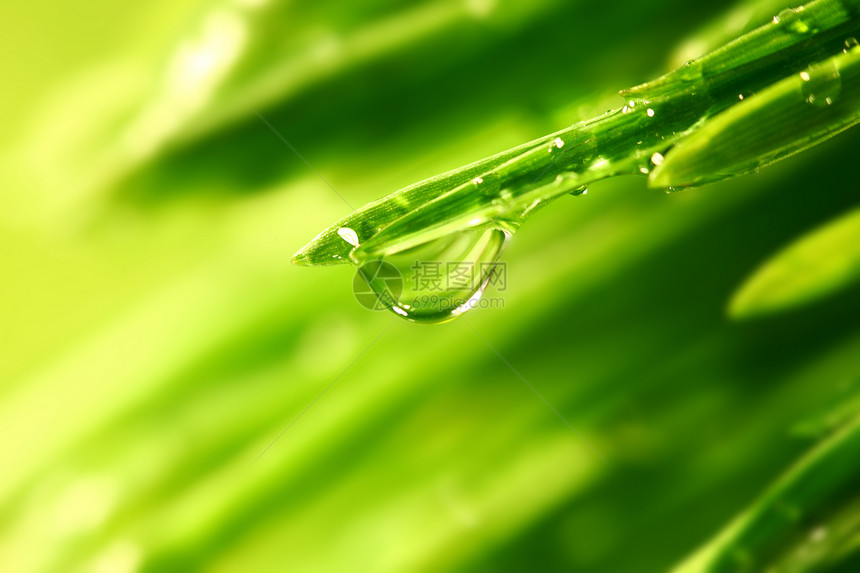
(156, 339)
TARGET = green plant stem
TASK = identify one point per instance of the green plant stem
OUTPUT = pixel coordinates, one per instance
(502, 190)
(801, 500)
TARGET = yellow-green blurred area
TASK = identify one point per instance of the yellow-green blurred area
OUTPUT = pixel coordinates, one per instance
(161, 359)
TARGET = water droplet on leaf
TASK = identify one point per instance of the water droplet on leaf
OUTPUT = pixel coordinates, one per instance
(793, 20)
(437, 281)
(348, 235)
(692, 71)
(821, 84)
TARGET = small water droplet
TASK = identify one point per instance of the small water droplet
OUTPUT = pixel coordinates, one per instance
(582, 190)
(487, 184)
(793, 20)
(657, 158)
(821, 84)
(850, 44)
(692, 70)
(643, 170)
(741, 97)
(559, 143)
(348, 235)
(650, 112)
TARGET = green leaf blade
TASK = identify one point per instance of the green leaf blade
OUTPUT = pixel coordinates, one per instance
(820, 263)
(792, 115)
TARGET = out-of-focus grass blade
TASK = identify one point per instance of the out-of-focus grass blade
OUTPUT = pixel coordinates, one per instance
(741, 18)
(818, 264)
(783, 43)
(841, 409)
(231, 61)
(243, 57)
(798, 508)
(782, 120)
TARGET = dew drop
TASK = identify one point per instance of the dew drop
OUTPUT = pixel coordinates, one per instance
(437, 281)
(821, 84)
(657, 158)
(650, 112)
(692, 71)
(348, 235)
(582, 190)
(850, 44)
(793, 20)
(487, 184)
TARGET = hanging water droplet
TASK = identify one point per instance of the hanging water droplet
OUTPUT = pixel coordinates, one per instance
(850, 44)
(582, 190)
(437, 281)
(821, 84)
